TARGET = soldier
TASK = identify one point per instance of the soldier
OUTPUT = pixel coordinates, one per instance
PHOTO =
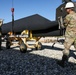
(70, 34)
(1, 21)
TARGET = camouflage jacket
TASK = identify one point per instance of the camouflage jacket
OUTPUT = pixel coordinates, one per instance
(70, 24)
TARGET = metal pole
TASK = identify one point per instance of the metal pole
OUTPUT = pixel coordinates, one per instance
(12, 10)
(12, 21)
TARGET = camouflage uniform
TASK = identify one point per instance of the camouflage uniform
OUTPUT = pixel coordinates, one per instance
(0, 38)
(70, 34)
(0, 33)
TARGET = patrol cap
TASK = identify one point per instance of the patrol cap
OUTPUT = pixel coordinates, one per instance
(69, 5)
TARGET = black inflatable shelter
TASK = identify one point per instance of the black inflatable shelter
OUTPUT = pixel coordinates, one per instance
(39, 25)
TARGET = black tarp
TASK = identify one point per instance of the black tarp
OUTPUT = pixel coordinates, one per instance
(58, 32)
(34, 22)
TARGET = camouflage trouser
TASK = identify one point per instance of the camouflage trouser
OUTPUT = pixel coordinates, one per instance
(67, 44)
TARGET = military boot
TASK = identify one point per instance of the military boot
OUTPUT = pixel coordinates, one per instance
(62, 62)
